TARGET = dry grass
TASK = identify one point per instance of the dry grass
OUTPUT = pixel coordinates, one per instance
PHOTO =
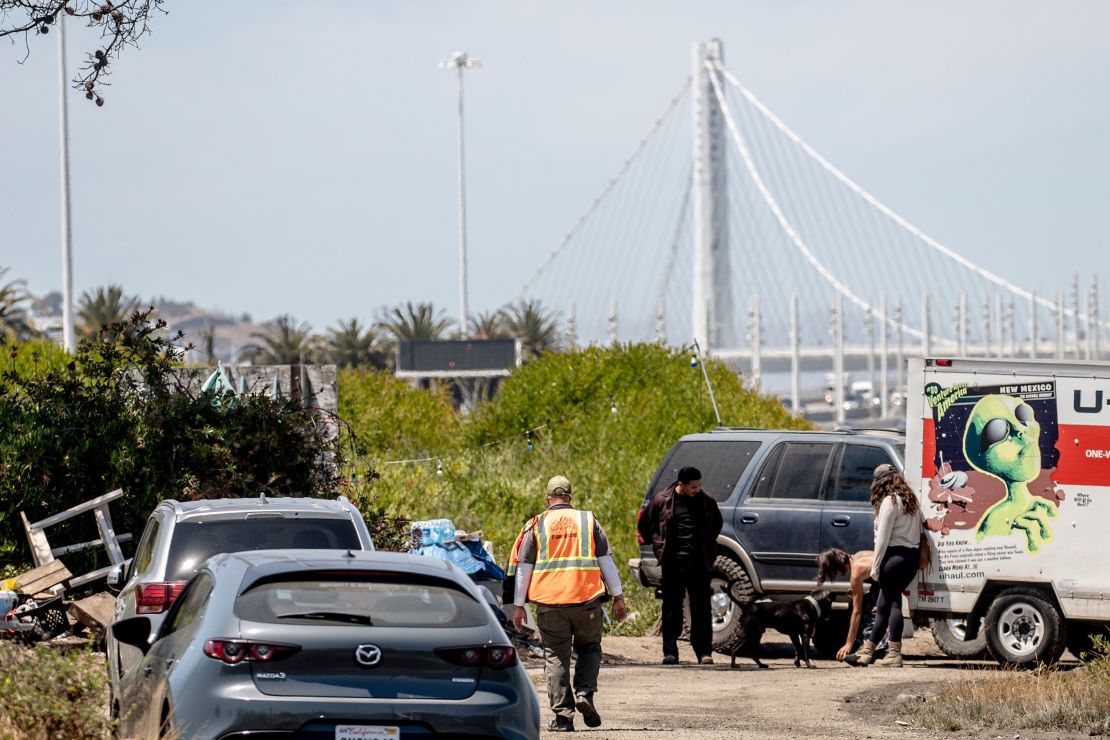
(1046, 699)
(47, 693)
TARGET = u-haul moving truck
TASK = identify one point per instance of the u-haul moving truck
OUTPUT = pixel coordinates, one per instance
(1011, 461)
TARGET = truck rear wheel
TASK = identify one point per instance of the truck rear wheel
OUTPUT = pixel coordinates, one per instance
(951, 637)
(1023, 629)
(727, 633)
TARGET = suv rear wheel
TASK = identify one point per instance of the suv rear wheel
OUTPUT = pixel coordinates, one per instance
(725, 613)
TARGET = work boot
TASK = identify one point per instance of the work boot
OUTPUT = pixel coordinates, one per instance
(585, 706)
(561, 724)
(893, 657)
(670, 660)
(863, 656)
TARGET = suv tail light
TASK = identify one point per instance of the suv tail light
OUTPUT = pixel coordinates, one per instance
(237, 651)
(639, 516)
(491, 656)
(155, 598)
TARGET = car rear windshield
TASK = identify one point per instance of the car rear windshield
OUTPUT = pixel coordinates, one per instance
(195, 542)
(315, 598)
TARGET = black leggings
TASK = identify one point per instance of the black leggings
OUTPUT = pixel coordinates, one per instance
(898, 569)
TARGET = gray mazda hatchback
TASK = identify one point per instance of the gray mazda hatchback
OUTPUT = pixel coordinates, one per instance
(325, 644)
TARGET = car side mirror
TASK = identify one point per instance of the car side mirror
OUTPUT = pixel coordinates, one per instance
(115, 578)
(134, 631)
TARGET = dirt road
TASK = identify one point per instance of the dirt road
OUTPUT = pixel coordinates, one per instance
(638, 698)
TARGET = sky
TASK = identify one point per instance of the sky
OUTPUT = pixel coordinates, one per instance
(300, 157)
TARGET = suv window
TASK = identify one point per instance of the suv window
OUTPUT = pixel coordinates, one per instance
(795, 470)
(721, 465)
(144, 556)
(196, 541)
(189, 605)
(857, 465)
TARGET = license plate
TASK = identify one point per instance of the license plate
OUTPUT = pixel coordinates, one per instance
(367, 732)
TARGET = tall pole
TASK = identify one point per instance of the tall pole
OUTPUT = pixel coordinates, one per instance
(1000, 349)
(712, 285)
(961, 324)
(926, 330)
(755, 338)
(899, 372)
(838, 358)
(795, 358)
(461, 61)
(68, 340)
(1059, 325)
(869, 327)
(1033, 326)
(884, 392)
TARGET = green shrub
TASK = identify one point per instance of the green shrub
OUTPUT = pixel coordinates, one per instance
(118, 416)
(45, 693)
(498, 482)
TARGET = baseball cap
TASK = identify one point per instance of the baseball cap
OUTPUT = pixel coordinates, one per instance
(557, 483)
(883, 471)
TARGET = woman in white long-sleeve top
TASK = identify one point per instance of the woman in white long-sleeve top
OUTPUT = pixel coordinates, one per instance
(897, 554)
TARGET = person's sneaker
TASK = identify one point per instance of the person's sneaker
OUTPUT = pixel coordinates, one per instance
(561, 724)
(585, 707)
(706, 660)
(670, 660)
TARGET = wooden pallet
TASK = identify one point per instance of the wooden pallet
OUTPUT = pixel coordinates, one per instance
(40, 582)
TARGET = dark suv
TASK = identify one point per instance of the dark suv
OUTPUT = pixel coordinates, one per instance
(784, 496)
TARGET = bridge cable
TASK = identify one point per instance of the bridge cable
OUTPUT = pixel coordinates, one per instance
(745, 154)
(875, 202)
(606, 190)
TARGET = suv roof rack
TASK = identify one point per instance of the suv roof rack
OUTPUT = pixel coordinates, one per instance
(871, 430)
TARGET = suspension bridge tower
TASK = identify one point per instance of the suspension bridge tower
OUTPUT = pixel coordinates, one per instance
(712, 289)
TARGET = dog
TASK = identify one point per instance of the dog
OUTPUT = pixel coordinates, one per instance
(797, 620)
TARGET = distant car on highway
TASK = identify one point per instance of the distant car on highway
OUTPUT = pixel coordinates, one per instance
(180, 535)
(314, 644)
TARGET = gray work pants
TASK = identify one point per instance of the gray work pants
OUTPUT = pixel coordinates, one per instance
(563, 629)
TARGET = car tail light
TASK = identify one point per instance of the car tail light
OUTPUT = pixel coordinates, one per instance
(639, 537)
(155, 598)
(490, 656)
(237, 651)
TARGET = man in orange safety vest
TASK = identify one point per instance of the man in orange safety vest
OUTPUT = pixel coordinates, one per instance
(562, 564)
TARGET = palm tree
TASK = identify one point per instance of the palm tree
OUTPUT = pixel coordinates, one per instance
(535, 327)
(489, 325)
(419, 321)
(105, 306)
(14, 321)
(284, 342)
(352, 345)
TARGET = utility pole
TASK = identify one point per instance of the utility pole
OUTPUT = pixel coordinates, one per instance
(461, 61)
(712, 288)
(68, 340)
(795, 358)
(838, 357)
(884, 392)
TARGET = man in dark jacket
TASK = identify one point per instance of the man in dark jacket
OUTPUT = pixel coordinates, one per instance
(682, 523)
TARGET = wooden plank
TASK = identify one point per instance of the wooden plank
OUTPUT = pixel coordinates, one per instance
(108, 534)
(78, 509)
(40, 548)
(43, 577)
(96, 612)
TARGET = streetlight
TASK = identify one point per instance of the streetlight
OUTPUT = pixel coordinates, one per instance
(461, 61)
(67, 255)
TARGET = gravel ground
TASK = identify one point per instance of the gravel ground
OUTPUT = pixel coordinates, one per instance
(639, 698)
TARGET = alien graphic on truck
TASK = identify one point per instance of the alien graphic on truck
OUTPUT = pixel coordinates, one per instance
(1004, 435)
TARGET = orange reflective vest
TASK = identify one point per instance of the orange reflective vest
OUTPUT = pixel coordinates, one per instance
(566, 569)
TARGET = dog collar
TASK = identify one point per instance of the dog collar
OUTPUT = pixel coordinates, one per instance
(816, 606)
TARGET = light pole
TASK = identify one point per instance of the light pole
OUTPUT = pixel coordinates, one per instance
(461, 61)
(67, 256)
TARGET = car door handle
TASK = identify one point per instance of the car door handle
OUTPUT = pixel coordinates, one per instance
(842, 520)
(749, 518)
